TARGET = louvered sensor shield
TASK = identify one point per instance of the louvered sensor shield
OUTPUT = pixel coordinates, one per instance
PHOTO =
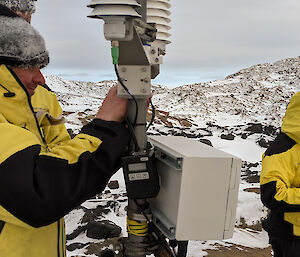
(117, 15)
(158, 13)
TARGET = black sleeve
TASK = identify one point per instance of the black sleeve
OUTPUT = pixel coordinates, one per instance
(40, 189)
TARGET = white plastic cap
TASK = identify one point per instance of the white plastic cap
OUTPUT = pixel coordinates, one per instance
(94, 3)
(101, 11)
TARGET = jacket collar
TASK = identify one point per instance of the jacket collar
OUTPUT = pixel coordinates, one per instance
(16, 106)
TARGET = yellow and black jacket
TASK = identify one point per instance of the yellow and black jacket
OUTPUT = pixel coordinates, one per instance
(43, 173)
(280, 176)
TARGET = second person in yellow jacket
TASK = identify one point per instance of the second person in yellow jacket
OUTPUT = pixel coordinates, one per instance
(280, 185)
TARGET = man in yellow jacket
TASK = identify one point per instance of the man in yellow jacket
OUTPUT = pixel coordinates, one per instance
(43, 173)
(280, 185)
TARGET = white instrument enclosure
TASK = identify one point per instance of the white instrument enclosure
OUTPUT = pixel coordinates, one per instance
(199, 189)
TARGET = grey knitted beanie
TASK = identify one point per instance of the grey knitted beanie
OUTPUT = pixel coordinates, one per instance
(19, 5)
(20, 44)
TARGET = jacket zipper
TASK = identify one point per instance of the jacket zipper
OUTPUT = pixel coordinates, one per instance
(44, 142)
(31, 108)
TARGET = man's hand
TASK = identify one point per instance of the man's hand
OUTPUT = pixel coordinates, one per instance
(113, 108)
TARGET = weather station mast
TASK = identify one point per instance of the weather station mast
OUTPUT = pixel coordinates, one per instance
(168, 179)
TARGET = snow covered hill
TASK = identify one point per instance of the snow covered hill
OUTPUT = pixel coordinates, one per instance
(239, 114)
(257, 94)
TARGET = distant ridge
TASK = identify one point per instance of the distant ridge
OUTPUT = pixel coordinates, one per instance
(259, 93)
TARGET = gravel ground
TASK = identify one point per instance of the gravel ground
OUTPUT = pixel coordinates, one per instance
(240, 251)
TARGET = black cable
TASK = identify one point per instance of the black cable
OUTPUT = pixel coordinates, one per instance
(130, 125)
(131, 129)
(132, 96)
(153, 115)
(159, 237)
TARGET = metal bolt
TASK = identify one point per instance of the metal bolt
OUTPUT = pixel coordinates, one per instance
(153, 51)
(156, 60)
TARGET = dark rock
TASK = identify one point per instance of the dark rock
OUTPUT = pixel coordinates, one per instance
(74, 246)
(103, 229)
(71, 133)
(250, 172)
(255, 128)
(263, 143)
(91, 215)
(190, 135)
(163, 133)
(107, 253)
(113, 184)
(99, 248)
(204, 133)
(250, 164)
(75, 233)
(270, 130)
(206, 130)
(111, 204)
(253, 179)
(244, 136)
(228, 136)
(153, 133)
(255, 190)
(210, 124)
(205, 141)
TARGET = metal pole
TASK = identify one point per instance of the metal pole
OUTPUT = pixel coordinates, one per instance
(134, 248)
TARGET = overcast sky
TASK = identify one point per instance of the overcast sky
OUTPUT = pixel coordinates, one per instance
(210, 38)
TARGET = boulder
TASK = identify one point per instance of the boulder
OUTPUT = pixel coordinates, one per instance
(113, 184)
(270, 130)
(253, 179)
(227, 136)
(244, 136)
(263, 143)
(74, 246)
(102, 229)
(255, 128)
(205, 141)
